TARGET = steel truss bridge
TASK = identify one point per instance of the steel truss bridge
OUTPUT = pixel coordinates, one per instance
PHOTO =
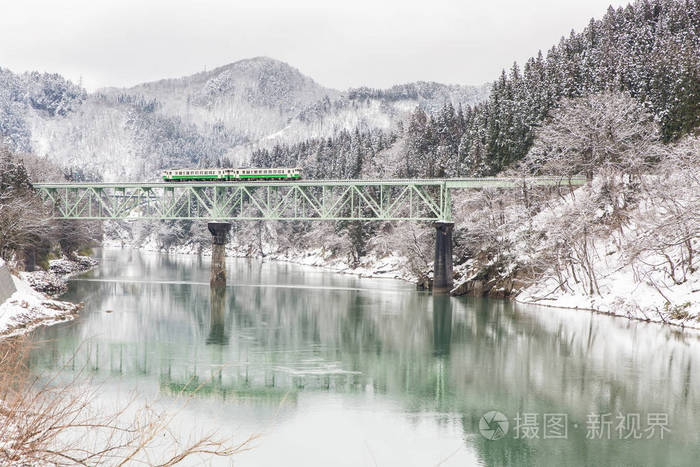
(360, 200)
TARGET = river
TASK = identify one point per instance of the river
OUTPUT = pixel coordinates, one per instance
(338, 370)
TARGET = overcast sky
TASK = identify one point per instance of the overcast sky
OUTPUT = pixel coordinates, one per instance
(340, 44)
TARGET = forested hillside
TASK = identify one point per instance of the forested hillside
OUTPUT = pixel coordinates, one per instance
(649, 49)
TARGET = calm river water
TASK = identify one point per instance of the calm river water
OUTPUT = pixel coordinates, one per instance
(339, 370)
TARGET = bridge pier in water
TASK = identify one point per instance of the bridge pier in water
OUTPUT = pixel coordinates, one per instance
(219, 232)
(442, 270)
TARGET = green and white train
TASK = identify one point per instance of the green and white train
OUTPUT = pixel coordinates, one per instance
(230, 175)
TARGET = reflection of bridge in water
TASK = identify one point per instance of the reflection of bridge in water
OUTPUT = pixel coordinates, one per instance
(261, 344)
(308, 200)
(233, 362)
(455, 359)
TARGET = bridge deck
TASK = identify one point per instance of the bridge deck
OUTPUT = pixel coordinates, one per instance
(374, 199)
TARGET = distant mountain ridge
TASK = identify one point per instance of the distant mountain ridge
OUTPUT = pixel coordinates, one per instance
(210, 117)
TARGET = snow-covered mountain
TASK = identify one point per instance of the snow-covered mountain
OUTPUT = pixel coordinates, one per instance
(253, 97)
(202, 119)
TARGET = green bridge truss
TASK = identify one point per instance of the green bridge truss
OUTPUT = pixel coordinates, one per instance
(408, 199)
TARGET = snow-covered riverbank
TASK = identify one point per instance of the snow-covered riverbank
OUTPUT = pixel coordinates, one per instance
(34, 302)
(389, 266)
(643, 268)
(633, 291)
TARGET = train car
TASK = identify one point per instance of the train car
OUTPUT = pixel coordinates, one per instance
(231, 175)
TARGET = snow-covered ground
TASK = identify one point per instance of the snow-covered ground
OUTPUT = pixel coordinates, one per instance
(641, 267)
(621, 294)
(28, 308)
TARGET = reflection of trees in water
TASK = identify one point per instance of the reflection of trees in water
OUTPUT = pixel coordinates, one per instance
(392, 339)
(439, 354)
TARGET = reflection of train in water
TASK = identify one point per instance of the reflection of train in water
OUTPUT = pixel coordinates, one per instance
(230, 175)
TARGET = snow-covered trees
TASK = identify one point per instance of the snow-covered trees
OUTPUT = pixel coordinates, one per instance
(53, 94)
(671, 221)
(46, 93)
(14, 131)
(649, 50)
(347, 155)
(639, 214)
(22, 227)
(26, 232)
(604, 133)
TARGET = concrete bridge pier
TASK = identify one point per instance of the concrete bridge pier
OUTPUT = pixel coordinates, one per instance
(219, 232)
(442, 270)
